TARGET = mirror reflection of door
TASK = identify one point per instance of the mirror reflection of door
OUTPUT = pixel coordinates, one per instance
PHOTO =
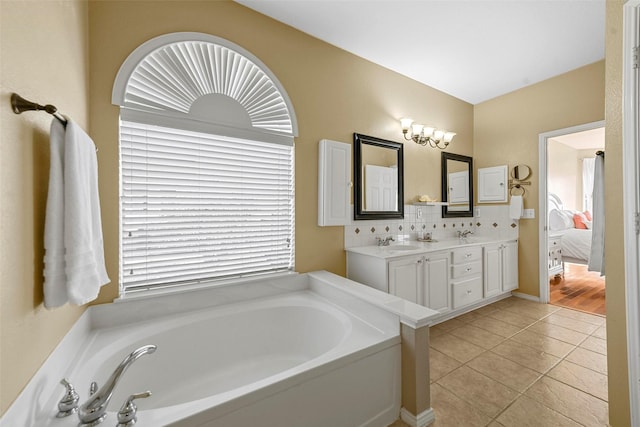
(380, 173)
(458, 188)
(381, 188)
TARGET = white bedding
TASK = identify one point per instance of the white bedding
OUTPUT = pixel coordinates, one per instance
(576, 243)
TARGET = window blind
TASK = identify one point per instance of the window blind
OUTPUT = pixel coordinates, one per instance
(199, 207)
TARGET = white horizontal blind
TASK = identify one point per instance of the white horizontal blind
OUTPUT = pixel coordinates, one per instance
(198, 207)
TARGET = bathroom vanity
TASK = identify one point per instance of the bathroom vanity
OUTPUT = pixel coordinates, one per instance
(451, 276)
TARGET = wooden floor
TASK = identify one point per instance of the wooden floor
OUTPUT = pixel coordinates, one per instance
(579, 289)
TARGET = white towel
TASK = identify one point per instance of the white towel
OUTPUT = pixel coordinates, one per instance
(516, 207)
(74, 255)
(55, 286)
(84, 249)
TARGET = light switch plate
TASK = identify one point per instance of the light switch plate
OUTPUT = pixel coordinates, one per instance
(529, 213)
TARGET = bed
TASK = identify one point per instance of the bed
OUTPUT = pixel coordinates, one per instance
(576, 242)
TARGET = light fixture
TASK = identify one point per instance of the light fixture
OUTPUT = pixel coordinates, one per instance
(426, 135)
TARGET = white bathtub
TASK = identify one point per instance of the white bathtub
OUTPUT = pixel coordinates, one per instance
(299, 352)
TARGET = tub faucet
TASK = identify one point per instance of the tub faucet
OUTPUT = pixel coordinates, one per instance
(94, 410)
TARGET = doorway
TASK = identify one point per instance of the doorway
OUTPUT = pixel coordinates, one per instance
(561, 153)
(571, 161)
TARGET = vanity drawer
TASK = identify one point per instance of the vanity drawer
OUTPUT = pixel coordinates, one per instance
(467, 269)
(467, 292)
(471, 253)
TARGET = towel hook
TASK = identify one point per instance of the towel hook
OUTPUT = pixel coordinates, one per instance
(20, 105)
(519, 187)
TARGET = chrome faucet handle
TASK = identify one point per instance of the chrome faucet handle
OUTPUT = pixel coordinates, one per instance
(69, 403)
(127, 415)
(93, 388)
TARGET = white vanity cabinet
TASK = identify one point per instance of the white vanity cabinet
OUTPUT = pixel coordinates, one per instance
(448, 277)
(466, 276)
(500, 268)
(405, 277)
(423, 279)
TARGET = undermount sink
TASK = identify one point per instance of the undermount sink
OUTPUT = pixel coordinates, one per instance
(403, 247)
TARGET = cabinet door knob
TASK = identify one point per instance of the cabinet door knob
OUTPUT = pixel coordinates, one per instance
(469, 269)
(419, 261)
(468, 291)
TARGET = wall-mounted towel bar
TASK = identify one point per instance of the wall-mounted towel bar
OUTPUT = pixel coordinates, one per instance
(20, 105)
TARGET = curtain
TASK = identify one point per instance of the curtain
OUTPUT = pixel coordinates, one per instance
(588, 168)
(596, 258)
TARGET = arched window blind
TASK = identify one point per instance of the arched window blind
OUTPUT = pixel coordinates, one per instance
(206, 155)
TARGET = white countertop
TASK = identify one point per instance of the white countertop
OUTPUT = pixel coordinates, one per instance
(414, 247)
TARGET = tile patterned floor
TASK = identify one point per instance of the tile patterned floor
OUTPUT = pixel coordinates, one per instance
(519, 363)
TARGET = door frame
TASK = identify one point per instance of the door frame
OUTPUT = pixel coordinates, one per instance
(631, 196)
(543, 235)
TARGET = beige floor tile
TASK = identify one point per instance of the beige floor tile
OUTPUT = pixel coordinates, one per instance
(574, 325)
(487, 309)
(517, 319)
(440, 364)
(480, 391)
(477, 336)
(579, 315)
(526, 356)
(558, 332)
(504, 371)
(581, 378)
(601, 332)
(542, 342)
(497, 327)
(459, 349)
(494, 423)
(448, 325)
(532, 309)
(526, 412)
(451, 411)
(589, 359)
(575, 404)
(469, 317)
(595, 344)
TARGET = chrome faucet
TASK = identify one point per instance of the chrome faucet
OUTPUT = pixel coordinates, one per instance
(464, 234)
(94, 410)
(384, 242)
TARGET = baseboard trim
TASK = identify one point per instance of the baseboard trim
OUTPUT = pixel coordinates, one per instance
(525, 296)
(423, 419)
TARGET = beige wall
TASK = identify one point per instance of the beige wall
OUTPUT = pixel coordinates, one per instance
(333, 92)
(563, 175)
(44, 51)
(614, 238)
(506, 131)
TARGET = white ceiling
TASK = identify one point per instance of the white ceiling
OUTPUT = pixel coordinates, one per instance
(474, 50)
(585, 140)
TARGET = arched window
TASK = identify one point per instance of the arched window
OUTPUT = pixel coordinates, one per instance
(206, 155)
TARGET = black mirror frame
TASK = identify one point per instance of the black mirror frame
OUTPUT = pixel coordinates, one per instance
(445, 210)
(358, 180)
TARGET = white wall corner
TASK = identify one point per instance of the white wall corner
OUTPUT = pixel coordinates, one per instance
(525, 296)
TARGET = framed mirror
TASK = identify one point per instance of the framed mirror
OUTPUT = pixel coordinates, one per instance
(520, 172)
(457, 185)
(378, 178)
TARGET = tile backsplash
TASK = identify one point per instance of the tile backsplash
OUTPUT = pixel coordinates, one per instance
(493, 221)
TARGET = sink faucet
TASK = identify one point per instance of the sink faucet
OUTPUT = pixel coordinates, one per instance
(94, 410)
(384, 242)
(464, 234)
